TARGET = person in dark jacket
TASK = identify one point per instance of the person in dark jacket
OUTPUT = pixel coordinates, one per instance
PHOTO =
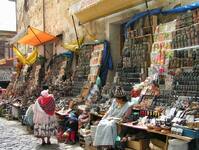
(71, 129)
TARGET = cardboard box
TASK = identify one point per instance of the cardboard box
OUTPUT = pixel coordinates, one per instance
(138, 145)
(158, 143)
(89, 147)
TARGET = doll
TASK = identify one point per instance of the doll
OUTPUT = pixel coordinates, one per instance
(84, 118)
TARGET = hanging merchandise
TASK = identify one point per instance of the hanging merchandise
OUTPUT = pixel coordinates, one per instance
(157, 11)
(73, 46)
(82, 69)
(99, 82)
(20, 56)
(32, 57)
(29, 60)
(107, 63)
(96, 62)
(68, 54)
(161, 48)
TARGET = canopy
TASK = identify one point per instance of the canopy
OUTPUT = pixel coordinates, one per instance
(32, 36)
(102, 8)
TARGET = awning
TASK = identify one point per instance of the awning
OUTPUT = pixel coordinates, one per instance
(102, 8)
(32, 36)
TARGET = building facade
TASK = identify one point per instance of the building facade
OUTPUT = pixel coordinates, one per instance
(54, 17)
(6, 57)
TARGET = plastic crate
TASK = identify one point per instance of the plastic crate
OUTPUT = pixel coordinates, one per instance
(191, 133)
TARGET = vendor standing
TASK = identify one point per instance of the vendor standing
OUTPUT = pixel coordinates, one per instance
(107, 130)
(44, 117)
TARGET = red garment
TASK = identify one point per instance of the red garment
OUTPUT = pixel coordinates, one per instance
(47, 104)
(71, 136)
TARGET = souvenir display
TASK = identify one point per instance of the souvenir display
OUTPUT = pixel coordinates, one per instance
(161, 48)
(153, 97)
(172, 107)
(95, 62)
(82, 70)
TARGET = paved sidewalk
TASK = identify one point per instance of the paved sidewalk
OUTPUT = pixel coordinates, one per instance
(13, 136)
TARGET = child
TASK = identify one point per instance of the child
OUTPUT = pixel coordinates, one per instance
(84, 118)
(71, 129)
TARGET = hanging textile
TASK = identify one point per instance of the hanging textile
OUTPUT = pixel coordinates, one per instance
(107, 63)
(29, 60)
(68, 54)
(73, 46)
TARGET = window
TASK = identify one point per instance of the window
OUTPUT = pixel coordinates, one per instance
(2, 49)
(26, 5)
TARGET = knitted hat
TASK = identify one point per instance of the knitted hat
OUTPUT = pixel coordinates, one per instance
(119, 92)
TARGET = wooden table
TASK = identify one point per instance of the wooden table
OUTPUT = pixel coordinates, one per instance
(184, 138)
(168, 135)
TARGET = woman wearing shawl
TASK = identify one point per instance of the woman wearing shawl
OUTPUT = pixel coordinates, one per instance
(44, 117)
(106, 132)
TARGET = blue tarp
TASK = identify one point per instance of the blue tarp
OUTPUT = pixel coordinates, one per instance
(68, 54)
(141, 15)
(179, 9)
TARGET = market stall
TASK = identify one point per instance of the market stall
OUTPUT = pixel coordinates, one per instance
(25, 84)
(165, 104)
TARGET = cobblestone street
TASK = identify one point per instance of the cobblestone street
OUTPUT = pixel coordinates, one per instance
(13, 136)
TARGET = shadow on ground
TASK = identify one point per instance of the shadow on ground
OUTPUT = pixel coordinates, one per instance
(48, 147)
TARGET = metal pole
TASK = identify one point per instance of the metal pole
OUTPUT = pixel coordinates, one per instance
(77, 38)
(35, 34)
(44, 24)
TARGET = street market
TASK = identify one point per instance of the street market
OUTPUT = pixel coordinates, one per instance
(103, 75)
